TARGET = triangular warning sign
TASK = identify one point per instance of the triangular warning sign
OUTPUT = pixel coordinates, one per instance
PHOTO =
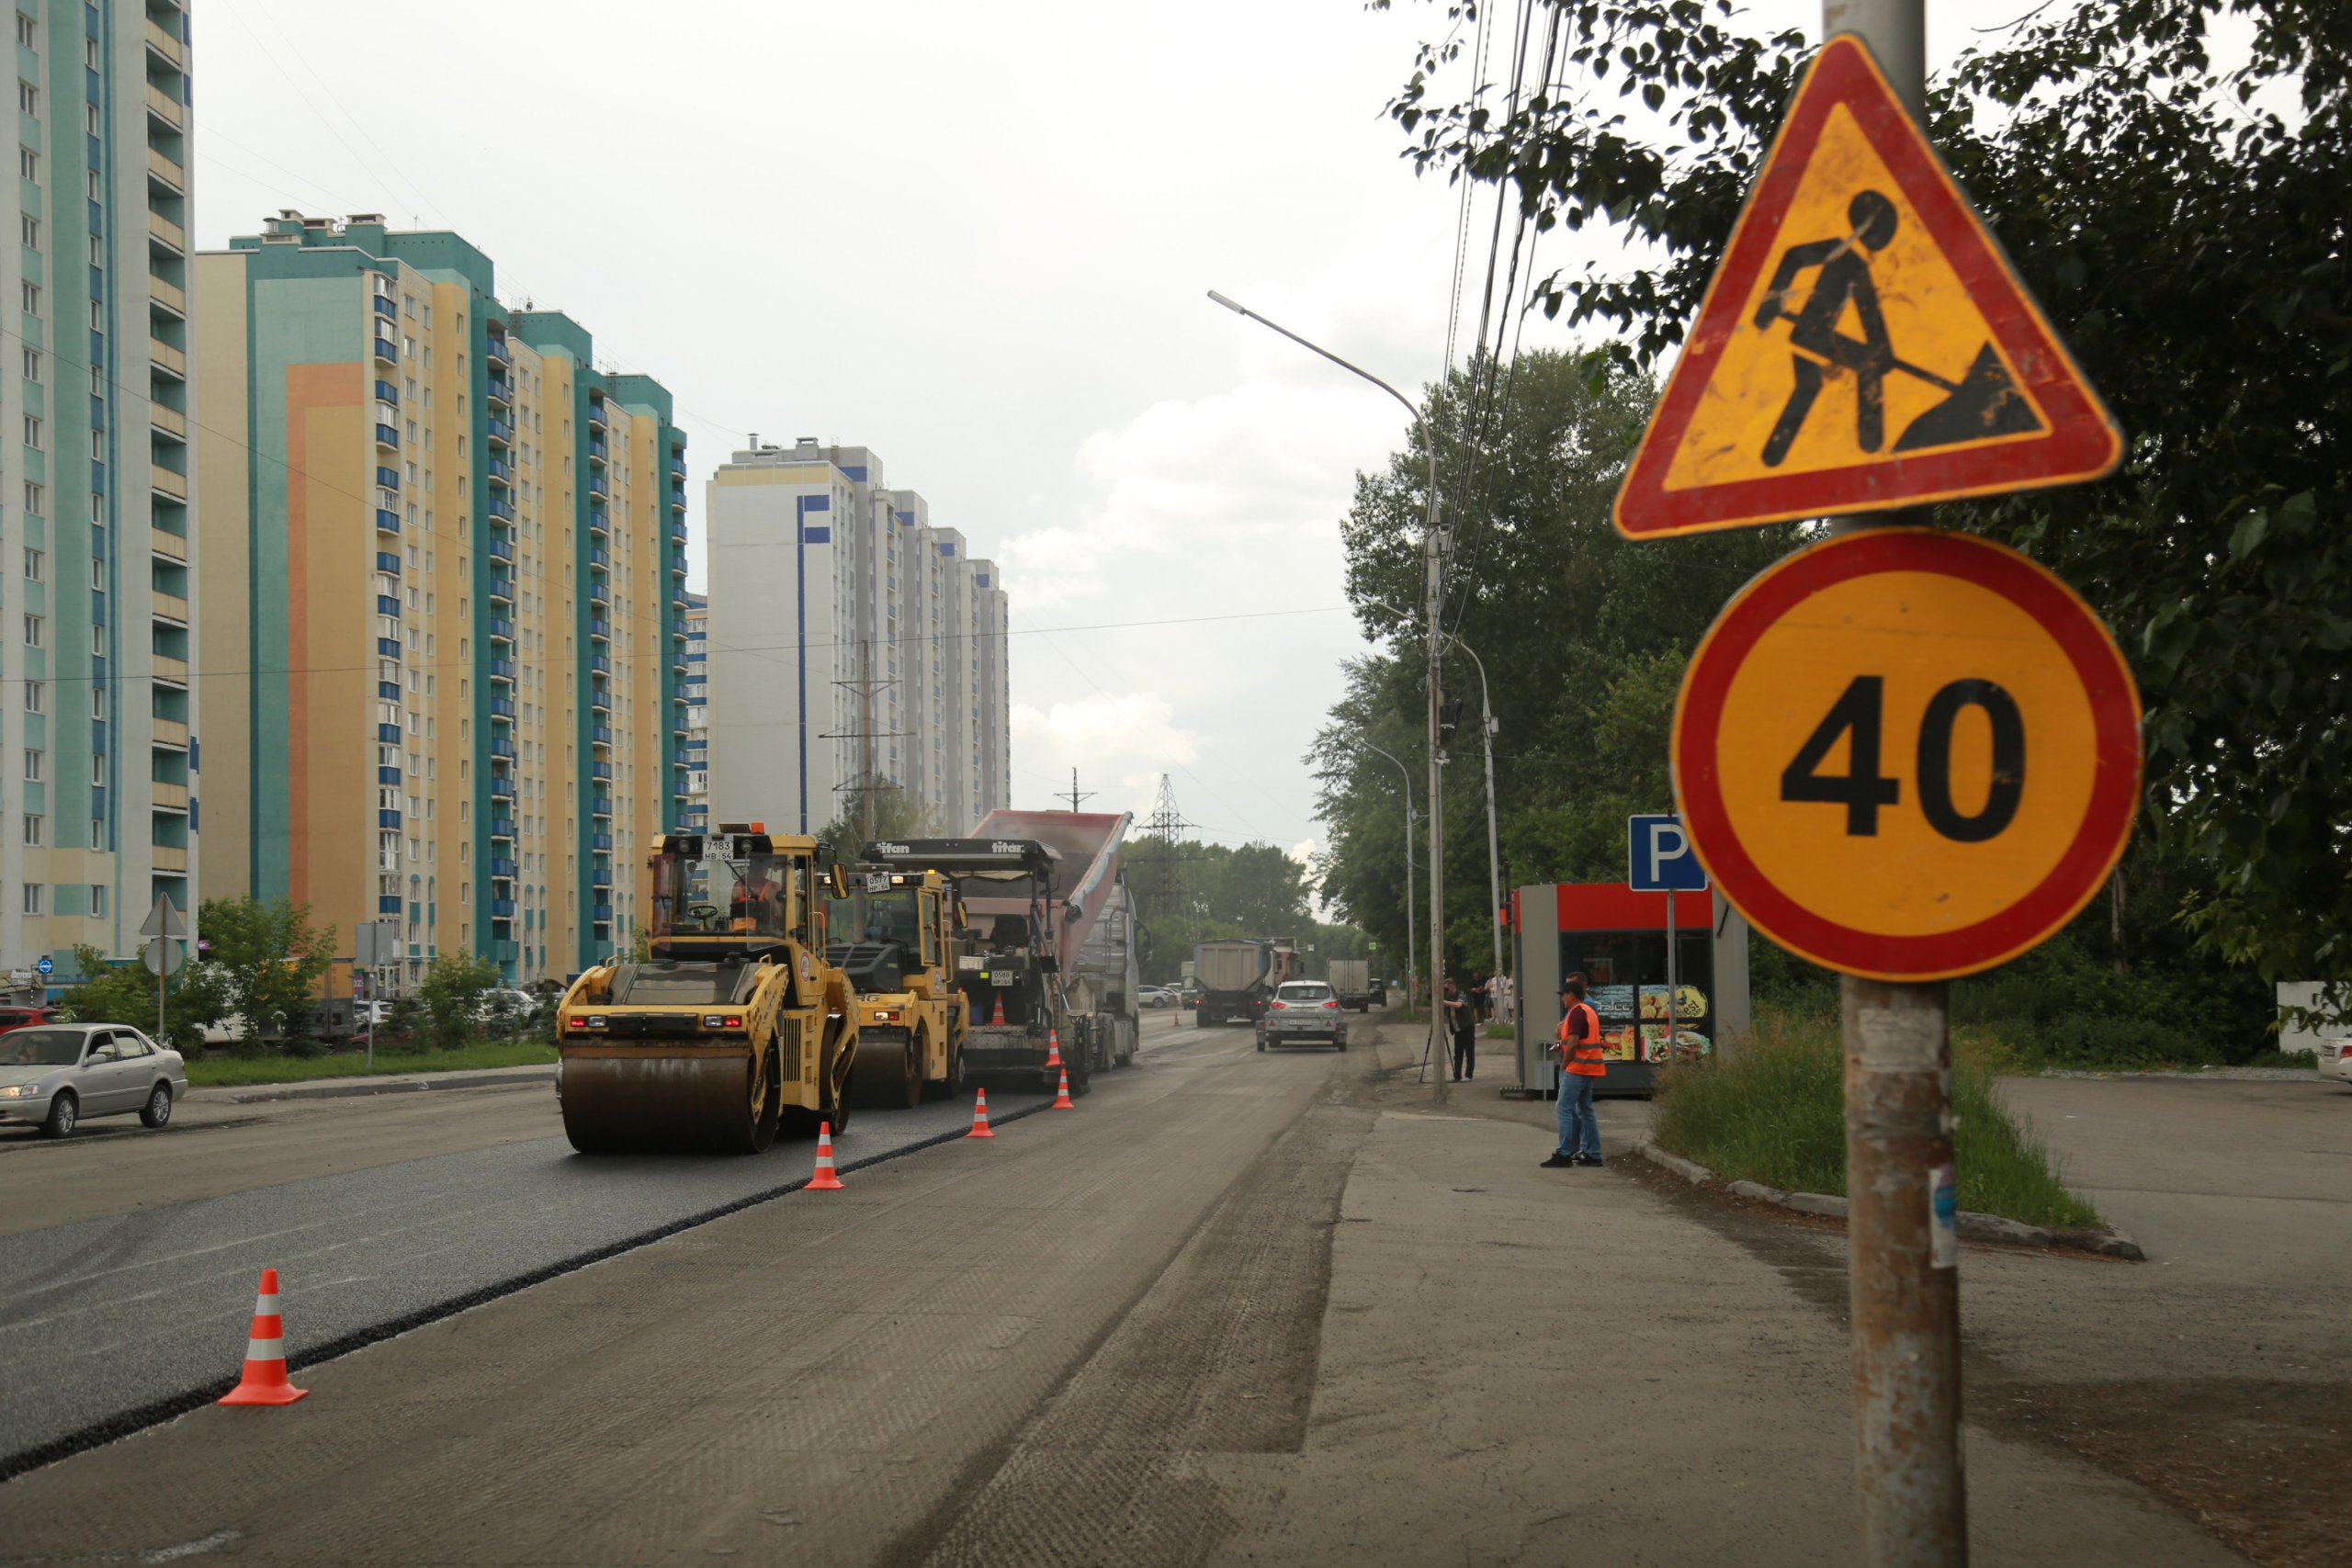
(1864, 343)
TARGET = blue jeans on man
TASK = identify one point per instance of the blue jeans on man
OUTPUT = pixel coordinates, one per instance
(1579, 1133)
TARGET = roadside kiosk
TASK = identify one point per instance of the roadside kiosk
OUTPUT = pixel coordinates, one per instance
(1617, 938)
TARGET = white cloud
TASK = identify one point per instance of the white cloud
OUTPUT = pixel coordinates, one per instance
(1127, 741)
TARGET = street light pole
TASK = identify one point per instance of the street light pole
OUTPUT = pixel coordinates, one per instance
(1486, 738)
(1412, 958)
(1433, 593)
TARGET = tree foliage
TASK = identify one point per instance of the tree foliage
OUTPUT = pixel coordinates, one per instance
(1188, 892)
(265, 958)
(125, 993)
(449, 998)
(2181, 217)
(881, 808)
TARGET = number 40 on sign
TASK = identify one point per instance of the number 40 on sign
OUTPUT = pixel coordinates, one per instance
(1907, 754)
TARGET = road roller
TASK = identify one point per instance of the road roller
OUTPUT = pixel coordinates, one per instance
(896, 938)
(734, 1027)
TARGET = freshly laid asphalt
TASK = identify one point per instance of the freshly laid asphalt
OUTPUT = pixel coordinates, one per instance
(110, 1323)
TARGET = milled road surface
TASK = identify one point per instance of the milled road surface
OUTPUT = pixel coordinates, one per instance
(828, 1376)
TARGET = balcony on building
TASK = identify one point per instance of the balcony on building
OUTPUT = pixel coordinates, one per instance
(596, 414)
(388, 819)
(388, 438)
(168, 608)
(599, 595)
(502, 870)
(388, 903)
(501, 707)
(602, 914)
(498, 471)
(387, 563)
(170, 734)
(501, 827)
(600, 629)
(496, 349)
(163, 236)
(601, 807)
(503, 669)
(500, 788)
(170, 671)
(600, 664)
(167, 545)
(501, 909)
(171, 797)
(166, 46)
(501, 508)
(600, 700)
(603, 770)
(501, 549)
(599, 525)
(165, 173)
(387, 521)
(596, 451)
(501, 630)
(503, 748)
(167, 423)
(169, 483)
(387, 353)
(169, 858)
(597, 485)
(600, 878)
(499, 390)
(167, 298)
(600, 735)
(603, 842)
(167, 359)
(387, 734)
(502, 588)
(501, 431)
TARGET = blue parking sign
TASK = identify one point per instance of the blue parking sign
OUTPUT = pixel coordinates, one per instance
(1659, 858)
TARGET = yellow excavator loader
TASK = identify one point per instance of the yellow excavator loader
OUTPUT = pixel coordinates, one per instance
(895, 937)
(736, 1025)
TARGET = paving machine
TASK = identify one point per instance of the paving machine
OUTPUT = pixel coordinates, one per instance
(735, 1027)
(896, 937)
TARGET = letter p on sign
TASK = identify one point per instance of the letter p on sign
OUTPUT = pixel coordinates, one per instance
(1658, 857)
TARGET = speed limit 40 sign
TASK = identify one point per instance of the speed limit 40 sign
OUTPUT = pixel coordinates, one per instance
(1906, 753)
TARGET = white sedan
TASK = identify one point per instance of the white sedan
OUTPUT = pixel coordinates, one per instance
(55, 1076)
(2334, 1058)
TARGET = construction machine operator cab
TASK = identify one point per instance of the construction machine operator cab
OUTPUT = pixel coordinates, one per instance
(733, 892)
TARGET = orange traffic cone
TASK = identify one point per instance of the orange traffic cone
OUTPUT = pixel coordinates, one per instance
(824, 1180)
(1052, 1047)
(996, 1020)
(980, 1118)
(265, 1380)
(1064, 1104)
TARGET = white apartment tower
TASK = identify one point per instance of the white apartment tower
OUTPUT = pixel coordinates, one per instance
(849, 640)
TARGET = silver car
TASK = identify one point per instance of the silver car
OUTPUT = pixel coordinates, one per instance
(1303, 1010)
(55, 1075)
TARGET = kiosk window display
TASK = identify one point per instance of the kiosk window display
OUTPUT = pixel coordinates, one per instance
(1617, 938)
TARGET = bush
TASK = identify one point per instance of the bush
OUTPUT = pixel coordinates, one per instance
(1774, 1111)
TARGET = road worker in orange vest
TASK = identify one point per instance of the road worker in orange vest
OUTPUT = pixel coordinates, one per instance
(1578, 1050)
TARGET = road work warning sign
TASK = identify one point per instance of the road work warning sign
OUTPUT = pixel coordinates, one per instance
(1864, 344)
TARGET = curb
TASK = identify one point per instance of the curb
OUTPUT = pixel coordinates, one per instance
(255, 1094)
(1973, 1226)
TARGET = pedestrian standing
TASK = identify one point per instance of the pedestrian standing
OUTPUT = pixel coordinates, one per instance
(1462, 1023)
(1581, 1069)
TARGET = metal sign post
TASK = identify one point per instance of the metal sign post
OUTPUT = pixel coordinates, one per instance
(167, 932)
(1659, 858)
(1673, 991)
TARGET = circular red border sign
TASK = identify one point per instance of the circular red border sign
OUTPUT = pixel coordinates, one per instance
(2098, 839)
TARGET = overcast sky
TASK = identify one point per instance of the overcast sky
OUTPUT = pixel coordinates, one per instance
(976, 238)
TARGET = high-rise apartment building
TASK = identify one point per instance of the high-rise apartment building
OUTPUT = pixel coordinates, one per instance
(447, 570)
(696, 813)
(852, 641)
(97, 740)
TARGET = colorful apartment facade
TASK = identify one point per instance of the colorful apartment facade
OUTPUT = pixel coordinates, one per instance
(446, 661)
(98, 806)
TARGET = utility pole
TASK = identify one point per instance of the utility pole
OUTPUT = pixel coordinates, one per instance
(1412, 958)
(1075, 798)
(1905, 1309)
(866, 735)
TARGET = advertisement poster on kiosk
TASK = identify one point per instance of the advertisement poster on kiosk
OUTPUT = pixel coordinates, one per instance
(1616, 938)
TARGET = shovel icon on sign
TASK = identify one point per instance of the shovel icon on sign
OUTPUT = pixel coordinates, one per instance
(1984, 402)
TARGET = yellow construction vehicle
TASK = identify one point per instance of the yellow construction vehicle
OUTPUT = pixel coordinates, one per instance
(734, 1027)
(895, 937)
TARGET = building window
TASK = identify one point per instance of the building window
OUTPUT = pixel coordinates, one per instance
(36, 696)
(96, 124)
(27, 99)
(27, 30)
(34, 892)
(32, 365)
(36, 499)
(97, 900)
(32, 433)
(34, 564)
(33, 631)
(36, 830)
(30, 227)
(28, 162)
(33, 766)
(32, 298)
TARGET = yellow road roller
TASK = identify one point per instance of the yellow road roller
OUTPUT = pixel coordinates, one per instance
(734, 1027)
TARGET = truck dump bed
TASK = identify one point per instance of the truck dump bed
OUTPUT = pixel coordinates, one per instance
(1088, 843)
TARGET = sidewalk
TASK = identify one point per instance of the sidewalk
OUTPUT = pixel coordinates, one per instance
(527, 1076)
(1528, 1366)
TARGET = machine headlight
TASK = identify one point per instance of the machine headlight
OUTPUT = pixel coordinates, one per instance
(21, 1091)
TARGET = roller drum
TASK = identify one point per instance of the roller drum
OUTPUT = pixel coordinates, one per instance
(889, 1072)
(627, 1102)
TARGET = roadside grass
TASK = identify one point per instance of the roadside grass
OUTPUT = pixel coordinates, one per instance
(231, 1071)
(1774, 1113)
(2285, 1059)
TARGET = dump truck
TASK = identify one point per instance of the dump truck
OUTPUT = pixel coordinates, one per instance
(896, 938)
(1238, 974)
(734, 1027)
(1094, 929)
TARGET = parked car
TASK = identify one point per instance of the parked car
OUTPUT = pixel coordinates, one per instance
(1379, 988)
(504, 1001)
(55, 1076)
(2335, 1060)
(13, 1017)
(1156, 996)
(1303, 1010)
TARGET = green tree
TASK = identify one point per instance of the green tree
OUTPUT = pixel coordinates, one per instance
(879, 808)
(265, 958)
(2184, 226)
(449, 998)
(125, 993)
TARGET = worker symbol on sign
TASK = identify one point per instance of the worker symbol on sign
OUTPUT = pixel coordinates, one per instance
(1984, 402)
